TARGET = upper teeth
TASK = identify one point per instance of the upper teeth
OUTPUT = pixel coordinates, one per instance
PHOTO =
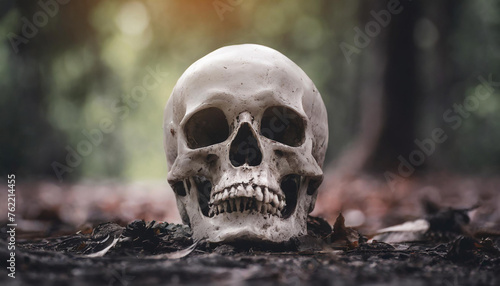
(246, 197)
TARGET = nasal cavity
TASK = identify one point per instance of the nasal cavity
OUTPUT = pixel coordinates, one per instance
(244, 148)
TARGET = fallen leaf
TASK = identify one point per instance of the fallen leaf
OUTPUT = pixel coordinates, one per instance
(344, 237)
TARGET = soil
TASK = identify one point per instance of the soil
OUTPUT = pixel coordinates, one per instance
(142, 255)
(61, 240)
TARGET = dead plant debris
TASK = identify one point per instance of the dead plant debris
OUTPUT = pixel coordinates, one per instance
(161, 252)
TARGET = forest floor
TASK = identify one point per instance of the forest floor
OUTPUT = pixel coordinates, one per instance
(161, 253)
(61, 238)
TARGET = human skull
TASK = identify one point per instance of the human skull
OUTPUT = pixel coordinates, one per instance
(245, 138)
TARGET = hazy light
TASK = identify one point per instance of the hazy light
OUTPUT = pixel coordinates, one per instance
(354, 218)
(133, 18)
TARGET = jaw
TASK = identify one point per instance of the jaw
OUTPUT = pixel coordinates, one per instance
(247, 226)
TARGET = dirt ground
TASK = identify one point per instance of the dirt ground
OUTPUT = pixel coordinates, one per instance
(341, 257)
(460, 247)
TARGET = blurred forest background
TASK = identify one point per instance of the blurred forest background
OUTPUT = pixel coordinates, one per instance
(390, 73)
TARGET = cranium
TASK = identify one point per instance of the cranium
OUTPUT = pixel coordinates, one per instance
(245, 138)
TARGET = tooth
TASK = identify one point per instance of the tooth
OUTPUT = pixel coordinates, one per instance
(259, 206)
(282, 205)
(267, 196)
(237, 201)
(244, 202)
(273, 210)
(211, 213)
(276, 201)
(220, 208)
(232, 193)
(225, 195)
(233, 204)
(250, 191)
(241, 191)
(264, 208)
(258, 194)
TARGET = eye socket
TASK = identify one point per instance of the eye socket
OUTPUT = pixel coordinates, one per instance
(284, 125)
(206, 127)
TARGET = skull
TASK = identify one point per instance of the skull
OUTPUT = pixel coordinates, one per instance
(245, 138)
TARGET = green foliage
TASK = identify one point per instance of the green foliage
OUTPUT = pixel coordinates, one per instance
(91, 55)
